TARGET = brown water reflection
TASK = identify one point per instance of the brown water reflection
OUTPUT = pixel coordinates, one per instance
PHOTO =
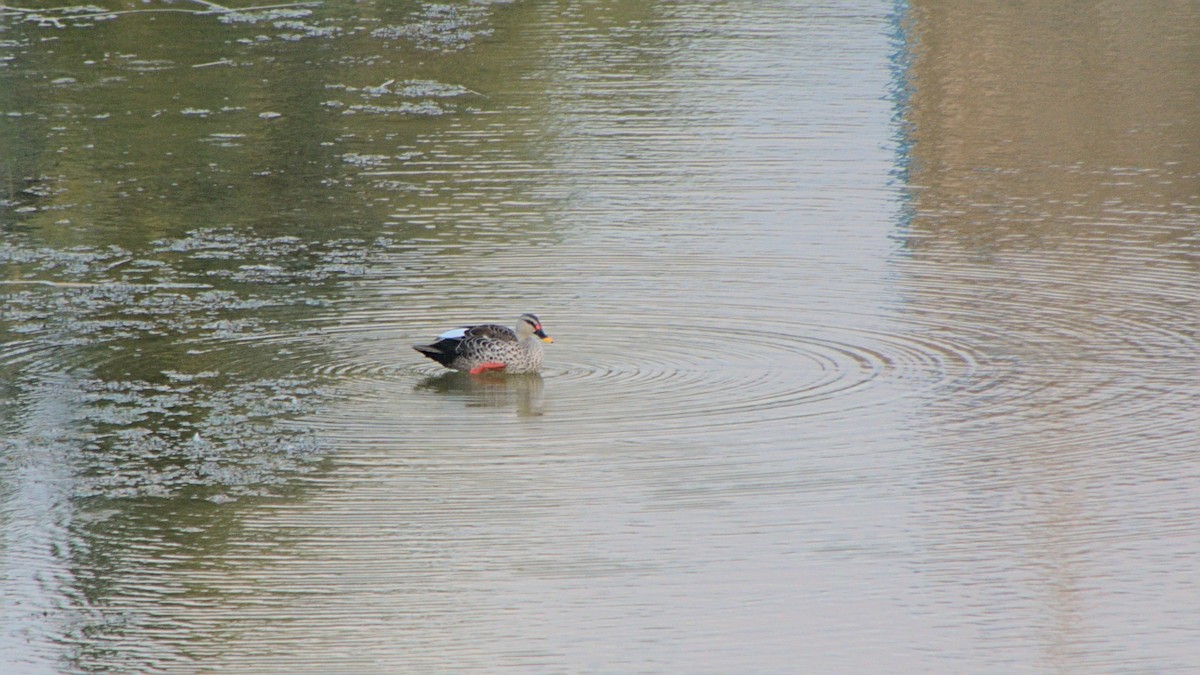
(876, 342)
(1053, 163)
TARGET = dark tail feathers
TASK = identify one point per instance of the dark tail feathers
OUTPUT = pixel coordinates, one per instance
(436, 354)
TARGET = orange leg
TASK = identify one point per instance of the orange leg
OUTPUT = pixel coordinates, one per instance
(490, 365)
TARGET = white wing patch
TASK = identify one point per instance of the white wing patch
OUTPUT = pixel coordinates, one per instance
(456, 334)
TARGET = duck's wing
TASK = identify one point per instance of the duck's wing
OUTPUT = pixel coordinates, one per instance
(454, 333)
(488, 332)
(468, 342)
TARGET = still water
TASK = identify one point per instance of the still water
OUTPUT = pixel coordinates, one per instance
(876, 337)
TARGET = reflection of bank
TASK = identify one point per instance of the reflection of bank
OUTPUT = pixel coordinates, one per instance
(524, 391)
(1050, 152)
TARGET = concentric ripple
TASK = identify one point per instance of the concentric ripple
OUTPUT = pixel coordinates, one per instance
(656, 378)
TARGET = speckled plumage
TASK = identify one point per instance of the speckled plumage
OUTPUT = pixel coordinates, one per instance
(491, 347)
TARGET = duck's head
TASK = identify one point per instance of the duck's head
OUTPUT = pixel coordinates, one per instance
(529, 325)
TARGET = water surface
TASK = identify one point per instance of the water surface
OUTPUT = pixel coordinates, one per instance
(876, 338)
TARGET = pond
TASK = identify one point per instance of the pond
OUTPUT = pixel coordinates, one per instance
(875, 337)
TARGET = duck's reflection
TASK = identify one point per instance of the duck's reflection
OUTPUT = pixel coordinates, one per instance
(490, 390)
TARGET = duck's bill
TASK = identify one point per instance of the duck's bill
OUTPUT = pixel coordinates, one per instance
(542, 334)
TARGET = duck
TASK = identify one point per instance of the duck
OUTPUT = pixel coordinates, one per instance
(491, 347)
